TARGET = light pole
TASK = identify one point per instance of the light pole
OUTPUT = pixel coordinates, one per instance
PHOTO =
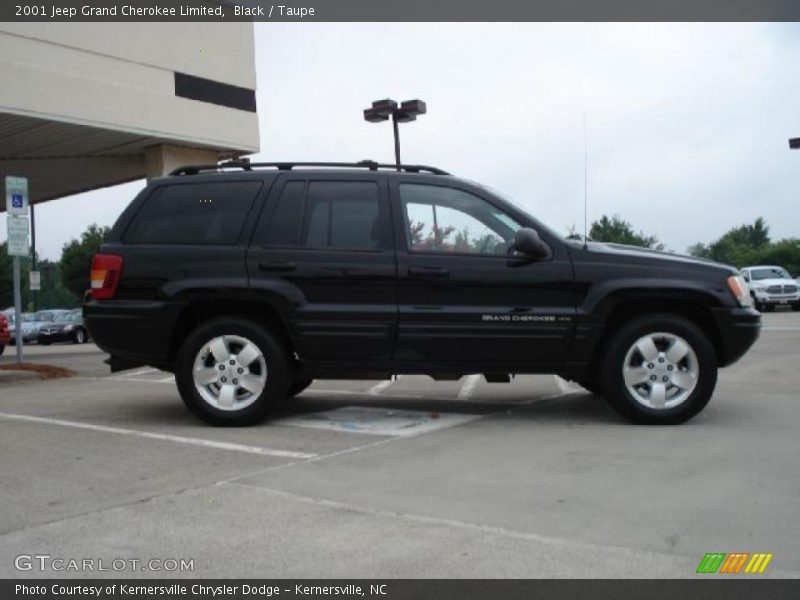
(407, 111)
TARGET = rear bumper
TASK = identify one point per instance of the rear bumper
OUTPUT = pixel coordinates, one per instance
(739, 328)
(139, 331)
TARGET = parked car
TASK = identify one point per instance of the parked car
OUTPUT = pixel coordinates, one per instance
(250, 280)
(772, 286)
(67, 327)
(30, 328)
(5, 336)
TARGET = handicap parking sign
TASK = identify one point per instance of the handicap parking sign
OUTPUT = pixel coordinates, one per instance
(17, 195)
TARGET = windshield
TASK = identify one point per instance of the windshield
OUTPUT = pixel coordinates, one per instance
(769, 273)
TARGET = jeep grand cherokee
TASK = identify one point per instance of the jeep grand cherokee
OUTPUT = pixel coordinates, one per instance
(248, 281)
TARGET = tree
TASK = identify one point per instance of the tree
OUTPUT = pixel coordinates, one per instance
(619, 231)
(53, 293)
(751, 245)
(76, 258)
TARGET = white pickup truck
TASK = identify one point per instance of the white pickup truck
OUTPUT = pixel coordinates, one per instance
(772, 286)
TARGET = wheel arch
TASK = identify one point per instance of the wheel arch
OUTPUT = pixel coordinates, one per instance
(262, 312)
(694, 306)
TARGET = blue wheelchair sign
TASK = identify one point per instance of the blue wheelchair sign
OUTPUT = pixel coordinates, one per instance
(16, 200)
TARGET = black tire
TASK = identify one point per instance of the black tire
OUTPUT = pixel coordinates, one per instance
(79, 337)
(277, 372)
(44, 343)
(617, 392)
(796, 306)
(298, 386)
(2, 349)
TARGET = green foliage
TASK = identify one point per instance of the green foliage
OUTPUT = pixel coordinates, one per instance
(619, 231)
(751, 245)
(76, 259)
(53, 293)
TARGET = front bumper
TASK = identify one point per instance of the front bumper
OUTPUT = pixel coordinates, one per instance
(776, 299)
(51, 338)
(739, 329)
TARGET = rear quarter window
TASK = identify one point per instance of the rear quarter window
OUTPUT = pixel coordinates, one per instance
(194, 213)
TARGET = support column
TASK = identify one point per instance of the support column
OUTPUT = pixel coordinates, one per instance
(162, 159)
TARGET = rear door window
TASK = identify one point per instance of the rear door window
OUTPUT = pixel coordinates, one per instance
(194, 213)
(327, 214)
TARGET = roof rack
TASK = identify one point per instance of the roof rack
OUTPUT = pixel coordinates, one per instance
(246, 165)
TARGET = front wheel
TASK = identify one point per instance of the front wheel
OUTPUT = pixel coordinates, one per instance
(659, 370)
(232, 371)
(796, 306)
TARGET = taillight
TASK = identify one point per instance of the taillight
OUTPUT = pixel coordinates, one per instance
(106, 273)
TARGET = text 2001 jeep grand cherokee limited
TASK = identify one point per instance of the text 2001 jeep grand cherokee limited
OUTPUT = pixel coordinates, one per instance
(250, 280)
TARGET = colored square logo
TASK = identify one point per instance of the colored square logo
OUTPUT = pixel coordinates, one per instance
(16, 200)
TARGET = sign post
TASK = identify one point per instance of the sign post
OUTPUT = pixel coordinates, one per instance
(17, 222)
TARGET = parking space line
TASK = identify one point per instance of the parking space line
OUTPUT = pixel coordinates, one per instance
(260, 450)
(139, 379)
(140, 372)
(468, 387)
(376, 389)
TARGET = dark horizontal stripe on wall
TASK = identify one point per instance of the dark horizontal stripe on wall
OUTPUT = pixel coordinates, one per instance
(214, 92)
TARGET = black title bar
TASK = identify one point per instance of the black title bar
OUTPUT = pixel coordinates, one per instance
(399, 10)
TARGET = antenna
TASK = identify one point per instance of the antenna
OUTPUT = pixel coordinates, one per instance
(585, 186)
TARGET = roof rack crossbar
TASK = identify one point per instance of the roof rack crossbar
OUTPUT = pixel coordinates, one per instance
(288, 166)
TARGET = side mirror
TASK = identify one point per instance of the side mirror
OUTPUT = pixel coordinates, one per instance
(528, 242)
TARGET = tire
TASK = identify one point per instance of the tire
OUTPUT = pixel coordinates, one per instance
(298, 386)
(79, 337)
(2, 349)
(228, 403)
(44, 343)
(659, 402)
(796, 306)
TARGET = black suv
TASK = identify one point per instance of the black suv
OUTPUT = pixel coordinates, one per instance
(250, 280)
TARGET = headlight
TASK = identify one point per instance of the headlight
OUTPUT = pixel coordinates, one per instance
(740, 291)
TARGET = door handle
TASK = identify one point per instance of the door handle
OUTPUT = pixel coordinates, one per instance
(277, 266)
(428, 272)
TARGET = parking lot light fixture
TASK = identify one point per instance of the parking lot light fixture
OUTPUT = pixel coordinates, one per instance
(407, 111)
(794, 143)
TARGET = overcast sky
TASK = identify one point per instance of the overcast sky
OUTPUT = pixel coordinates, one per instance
(687, 123)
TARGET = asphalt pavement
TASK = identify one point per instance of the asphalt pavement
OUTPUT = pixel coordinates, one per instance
(402, 478)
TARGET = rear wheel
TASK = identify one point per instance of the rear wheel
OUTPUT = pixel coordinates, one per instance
(2, 349)
(232, 371)
(659, 369)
